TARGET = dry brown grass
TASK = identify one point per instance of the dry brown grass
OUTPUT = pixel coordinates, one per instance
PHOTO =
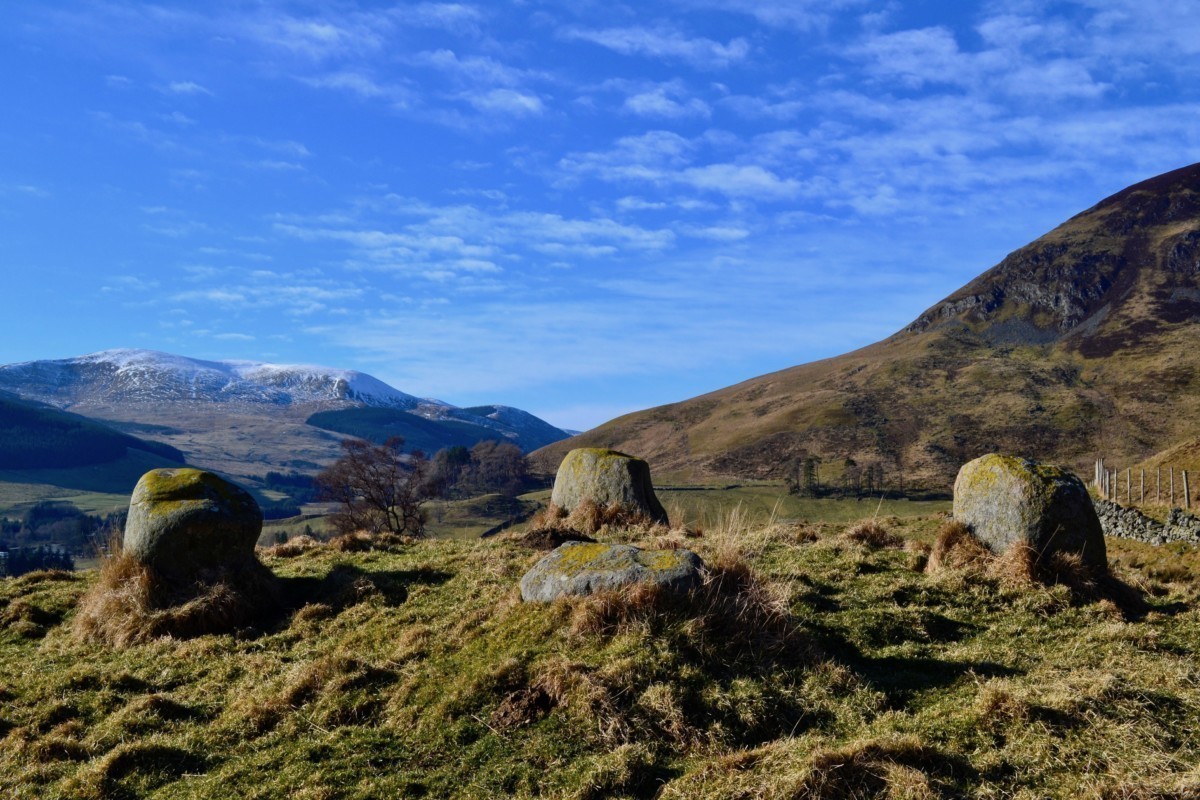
(730, 611)
(549, 517)
(956, 548)
(590, 518)
(899, 767)
(131, 603)
(871, 535)
(359, 542)
(292, 547)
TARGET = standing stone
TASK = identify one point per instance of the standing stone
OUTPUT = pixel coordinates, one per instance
(606, 477)
(1005, 500)
(184, 520)
(584, 568)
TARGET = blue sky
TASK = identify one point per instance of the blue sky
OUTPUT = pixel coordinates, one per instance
(577, 208)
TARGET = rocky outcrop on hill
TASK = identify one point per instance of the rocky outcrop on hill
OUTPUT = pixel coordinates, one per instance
(1129, 523)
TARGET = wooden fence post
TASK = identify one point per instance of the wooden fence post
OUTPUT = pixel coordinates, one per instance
(1187, 497)
(1172, 487)
(1142, 489)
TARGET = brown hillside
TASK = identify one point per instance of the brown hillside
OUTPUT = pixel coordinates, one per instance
(1084, 342)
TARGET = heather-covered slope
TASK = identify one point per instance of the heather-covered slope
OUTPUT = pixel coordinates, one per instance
(1085, 342)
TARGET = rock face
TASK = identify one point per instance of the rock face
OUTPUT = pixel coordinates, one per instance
(581, 568)
(606, 477)
(1005, 500)
(185, 520)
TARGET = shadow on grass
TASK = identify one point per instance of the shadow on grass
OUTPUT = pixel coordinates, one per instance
(900, 678)
(346, 585)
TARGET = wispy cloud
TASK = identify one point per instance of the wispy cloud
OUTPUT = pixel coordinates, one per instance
(186, 88)
(663, 42)
(505, 101)
(665, 100)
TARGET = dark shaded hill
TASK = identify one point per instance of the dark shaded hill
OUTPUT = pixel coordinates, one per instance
(1085, 342)
(427, 435)
(34, 436)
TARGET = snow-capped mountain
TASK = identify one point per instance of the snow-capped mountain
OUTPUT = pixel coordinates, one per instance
(246, 417)
(139, 376)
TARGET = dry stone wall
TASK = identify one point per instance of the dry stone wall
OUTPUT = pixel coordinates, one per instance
(1129, 523)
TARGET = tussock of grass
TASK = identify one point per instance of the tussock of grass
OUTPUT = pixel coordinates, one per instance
(956, 548)
(897, 767)
(871, 535)
(293, 547)
(590, 518)
(130, 603)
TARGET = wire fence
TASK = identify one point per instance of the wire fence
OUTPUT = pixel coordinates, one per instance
(1162, 485)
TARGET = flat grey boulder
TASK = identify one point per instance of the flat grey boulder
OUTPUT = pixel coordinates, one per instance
(184, 520)
(606, 477)
(584, 568)
(1004, 500)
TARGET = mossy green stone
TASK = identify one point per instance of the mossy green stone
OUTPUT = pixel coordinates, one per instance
(181, 520)
(583, 568)
(606, 477)
(1005, 500)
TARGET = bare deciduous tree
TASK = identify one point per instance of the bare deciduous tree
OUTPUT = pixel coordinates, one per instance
(378, 488)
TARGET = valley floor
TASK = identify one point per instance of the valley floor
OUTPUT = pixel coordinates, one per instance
(841, 670)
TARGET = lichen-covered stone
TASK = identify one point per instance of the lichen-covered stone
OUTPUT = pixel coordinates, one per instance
(1005, 500)
(606, 477)
(184, 520)
(583, 568)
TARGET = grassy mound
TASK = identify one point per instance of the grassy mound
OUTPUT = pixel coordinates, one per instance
(812, 663)
(130, 602)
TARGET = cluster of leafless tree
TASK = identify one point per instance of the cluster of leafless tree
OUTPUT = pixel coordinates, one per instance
(379, 488)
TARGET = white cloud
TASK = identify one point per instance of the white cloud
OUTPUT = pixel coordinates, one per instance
(665, 43)
(475, 69)
(733, 180)
(801, 15)
(718, 233)
(316, 38)
(361, 85)
(187, 87)
(667, 100)
(456, 17)
(505, 101)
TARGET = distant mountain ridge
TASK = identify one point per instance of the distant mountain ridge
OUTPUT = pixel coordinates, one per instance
(248, 417)
(1083, 343)
(125, 376)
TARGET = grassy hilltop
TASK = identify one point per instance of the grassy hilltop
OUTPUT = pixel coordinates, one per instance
(822, 662)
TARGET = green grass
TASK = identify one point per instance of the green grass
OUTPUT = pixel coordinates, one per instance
(469, 519)
(417, 671)
(708, 508)
(16, 498)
